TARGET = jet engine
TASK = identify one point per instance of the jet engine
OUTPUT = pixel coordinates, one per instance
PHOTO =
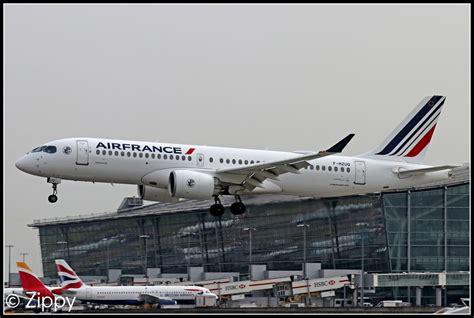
(191, 185)
(155, 194)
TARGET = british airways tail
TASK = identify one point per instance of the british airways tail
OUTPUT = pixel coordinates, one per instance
(410, 140)
(69, 278)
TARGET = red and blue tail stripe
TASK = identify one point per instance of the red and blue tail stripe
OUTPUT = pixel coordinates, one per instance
(419, 130)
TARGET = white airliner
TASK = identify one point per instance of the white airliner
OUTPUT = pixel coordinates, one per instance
(167, 172)
(73, 286)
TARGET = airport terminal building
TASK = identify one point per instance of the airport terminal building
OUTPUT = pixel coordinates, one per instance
(423, 229)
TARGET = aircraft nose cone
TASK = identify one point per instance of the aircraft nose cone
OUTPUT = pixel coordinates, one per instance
(23, 164)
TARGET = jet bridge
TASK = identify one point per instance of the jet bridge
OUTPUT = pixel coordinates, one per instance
(297, 287)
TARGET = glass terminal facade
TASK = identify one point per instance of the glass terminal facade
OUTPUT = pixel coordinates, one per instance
(407, 231)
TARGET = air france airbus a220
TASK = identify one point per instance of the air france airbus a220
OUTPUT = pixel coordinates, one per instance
(168, 172)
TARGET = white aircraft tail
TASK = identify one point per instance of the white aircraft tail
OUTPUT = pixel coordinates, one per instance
(410, 140)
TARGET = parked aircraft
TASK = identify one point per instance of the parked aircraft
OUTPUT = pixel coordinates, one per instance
(72, 285)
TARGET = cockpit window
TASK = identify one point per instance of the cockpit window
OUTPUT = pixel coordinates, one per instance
(38, 149)
(50, 149)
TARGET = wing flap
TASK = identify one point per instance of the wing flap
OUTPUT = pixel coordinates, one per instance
(300, 160)
(253, 176)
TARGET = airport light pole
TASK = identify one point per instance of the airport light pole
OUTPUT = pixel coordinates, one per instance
(305, 276)
(363, 226)
(304, 226)
(23, 256)
(107, 240)
(9, 261)
(188, 251)
(64, 249)
(145, 236)
(250, 229)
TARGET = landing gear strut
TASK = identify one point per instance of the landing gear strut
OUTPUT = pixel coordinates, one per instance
(53, 197)
(217, 209)
(238, 207)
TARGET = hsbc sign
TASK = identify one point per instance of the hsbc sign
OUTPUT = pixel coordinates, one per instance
(320, 284)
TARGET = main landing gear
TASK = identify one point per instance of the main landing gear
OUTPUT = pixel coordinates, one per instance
(53, 197)
(237, 208)
(217, 209)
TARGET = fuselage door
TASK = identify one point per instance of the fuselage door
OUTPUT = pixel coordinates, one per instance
(359, 172)
(82, 152)
(200, 160)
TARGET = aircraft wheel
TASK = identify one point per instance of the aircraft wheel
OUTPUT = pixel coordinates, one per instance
(217, 209)
(238, 208)
(53, 198)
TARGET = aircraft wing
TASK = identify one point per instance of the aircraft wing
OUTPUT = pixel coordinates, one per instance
(152, 299)
(416, 172)
(253, 176)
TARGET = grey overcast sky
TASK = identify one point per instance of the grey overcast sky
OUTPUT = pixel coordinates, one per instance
(280, 77)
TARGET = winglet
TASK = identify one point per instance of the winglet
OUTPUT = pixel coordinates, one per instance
(341, 144)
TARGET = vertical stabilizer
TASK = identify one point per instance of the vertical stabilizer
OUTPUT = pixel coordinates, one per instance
(410, 140)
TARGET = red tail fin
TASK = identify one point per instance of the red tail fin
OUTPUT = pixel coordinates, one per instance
(31, 283)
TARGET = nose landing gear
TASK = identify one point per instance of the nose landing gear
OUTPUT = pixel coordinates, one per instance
(53, 197)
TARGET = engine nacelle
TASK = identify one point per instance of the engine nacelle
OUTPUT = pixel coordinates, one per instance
(155, 194)
(191, 185)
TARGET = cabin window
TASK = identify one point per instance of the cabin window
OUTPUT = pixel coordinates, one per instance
(240, 161)
(122, 153)
(165, 157)
(311, 167)
(171, 157)
(211, 159)
(335, 169)
(227, 160)
(104, 152)
(134, 155)
(348, 169)
(128, 154)
(177, 157)
(246, 162)
(233, 161)
(317, 167)
(329, 168)
(342, 169)
(183, 158)
(323, 168)
(152, 156)
(221, 160)
(147, 155)
(158, 156)
(116, 152)
(97, 152)
(189, 158)
(251, 162)
(110, 152)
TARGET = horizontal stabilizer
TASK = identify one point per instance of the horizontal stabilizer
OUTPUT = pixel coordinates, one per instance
(417, 172)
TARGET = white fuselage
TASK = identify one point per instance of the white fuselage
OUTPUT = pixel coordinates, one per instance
(135, 295)
(132, 162)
